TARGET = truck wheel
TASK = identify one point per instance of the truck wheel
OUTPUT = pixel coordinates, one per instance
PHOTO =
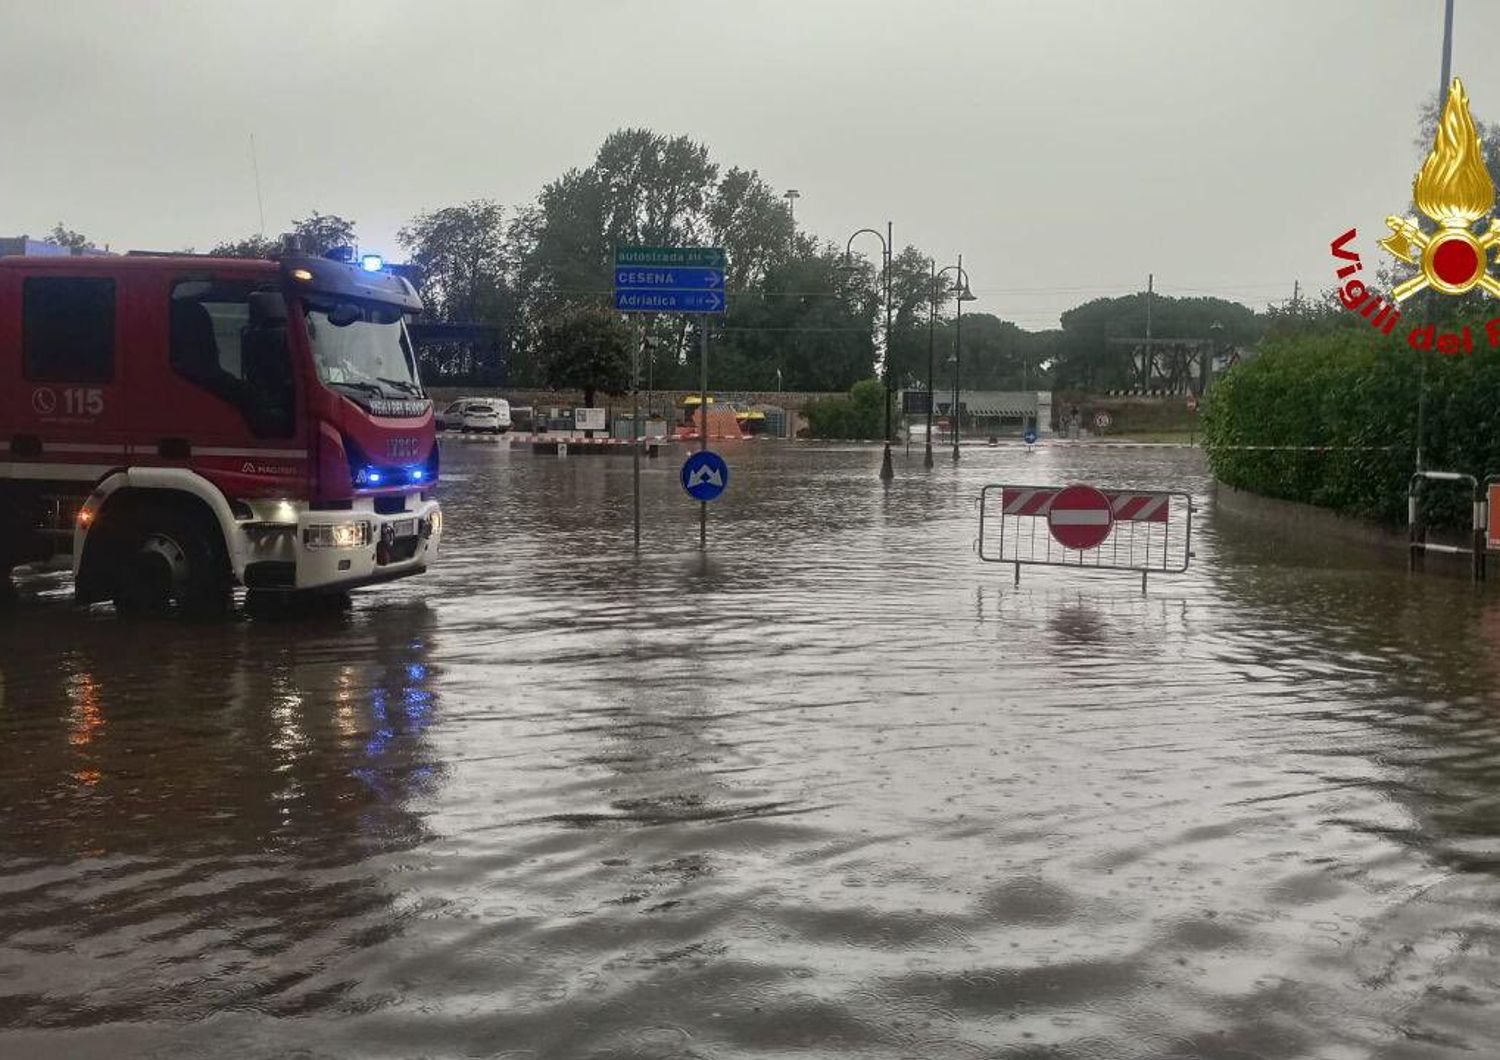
(168, 556)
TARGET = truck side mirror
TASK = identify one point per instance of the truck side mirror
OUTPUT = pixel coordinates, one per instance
(267, 308)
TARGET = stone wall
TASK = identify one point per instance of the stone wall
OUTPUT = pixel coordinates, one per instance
(1127, 412)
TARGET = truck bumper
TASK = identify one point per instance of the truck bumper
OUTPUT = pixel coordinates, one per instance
(346, 549)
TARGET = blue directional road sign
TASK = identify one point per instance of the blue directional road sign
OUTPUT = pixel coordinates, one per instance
(656, 300)
(669, 280)
(657, 278)
(1029, 437)
(705, 475)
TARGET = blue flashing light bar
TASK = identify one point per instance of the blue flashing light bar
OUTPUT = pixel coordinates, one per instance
(371, 477)
(372, 262)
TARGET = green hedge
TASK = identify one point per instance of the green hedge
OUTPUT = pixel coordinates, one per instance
(1357, 390)
(860, 415)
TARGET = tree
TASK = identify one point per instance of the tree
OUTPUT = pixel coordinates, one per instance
(66, 237)
(911, 299)
(997, 354)
(647, 188)
(809, 317)
(460, 255)
(321, 232)
(586, 348)
(752, 224)
(1101, 343)
(249, 247)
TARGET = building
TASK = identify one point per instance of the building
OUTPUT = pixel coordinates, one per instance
(25, 246)
(985, 412)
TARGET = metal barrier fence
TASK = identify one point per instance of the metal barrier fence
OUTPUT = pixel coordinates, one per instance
(1150, 531)
(1416, 525)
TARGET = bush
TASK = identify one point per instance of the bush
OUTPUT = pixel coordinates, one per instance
(1357, 391)
(860, 415)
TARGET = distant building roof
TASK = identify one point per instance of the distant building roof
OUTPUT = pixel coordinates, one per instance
(991, 403)
(25, 246)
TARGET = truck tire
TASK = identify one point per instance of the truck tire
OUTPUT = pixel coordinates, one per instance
(169, 555)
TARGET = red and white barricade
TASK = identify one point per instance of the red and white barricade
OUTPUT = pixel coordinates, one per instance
(1143, 531)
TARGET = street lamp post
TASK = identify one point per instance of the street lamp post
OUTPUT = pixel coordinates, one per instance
(962, 294)
(887, 470)
(1215, 348)
(932, 301)
(953, 409)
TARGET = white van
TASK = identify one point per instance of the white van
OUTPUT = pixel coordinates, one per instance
(497, 419)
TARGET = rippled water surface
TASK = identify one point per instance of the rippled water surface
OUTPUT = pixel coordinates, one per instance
(836, 789)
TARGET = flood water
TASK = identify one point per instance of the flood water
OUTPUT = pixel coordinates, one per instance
(835, 790)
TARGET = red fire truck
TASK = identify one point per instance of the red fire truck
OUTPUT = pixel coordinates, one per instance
(182, 424)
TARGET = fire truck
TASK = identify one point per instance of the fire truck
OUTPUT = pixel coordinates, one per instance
(181, 424)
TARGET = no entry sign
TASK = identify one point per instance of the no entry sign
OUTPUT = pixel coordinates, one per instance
(1080, 517)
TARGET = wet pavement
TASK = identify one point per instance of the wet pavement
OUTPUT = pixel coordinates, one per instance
(836, 789)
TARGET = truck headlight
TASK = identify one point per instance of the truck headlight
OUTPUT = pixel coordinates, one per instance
(337, 535)
(435, 521)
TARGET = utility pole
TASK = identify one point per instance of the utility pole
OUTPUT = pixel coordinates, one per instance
(1446, 78)
(1296, 296)
(1445, 82)
(1150, 360)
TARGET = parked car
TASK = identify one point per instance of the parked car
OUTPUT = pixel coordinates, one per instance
(452, 417)
(491, 415)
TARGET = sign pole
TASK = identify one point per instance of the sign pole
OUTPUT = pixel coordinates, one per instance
(635, 431)
(687, 280)
(703, 426)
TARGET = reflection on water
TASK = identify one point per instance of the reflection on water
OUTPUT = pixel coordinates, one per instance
(833, 789)
(194, 819)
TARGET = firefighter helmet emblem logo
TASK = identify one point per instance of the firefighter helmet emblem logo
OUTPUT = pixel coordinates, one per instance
(1453, 189)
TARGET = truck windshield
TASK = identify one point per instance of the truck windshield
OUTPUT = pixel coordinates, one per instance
(363, 348)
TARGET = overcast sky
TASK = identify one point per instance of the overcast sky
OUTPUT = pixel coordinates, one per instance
(1066, 149)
